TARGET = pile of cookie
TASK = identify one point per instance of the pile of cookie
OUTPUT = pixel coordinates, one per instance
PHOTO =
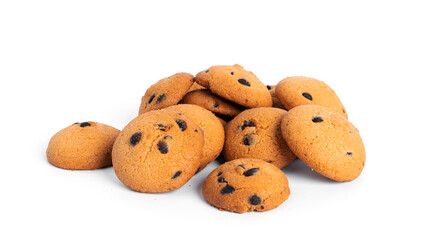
(186, 122)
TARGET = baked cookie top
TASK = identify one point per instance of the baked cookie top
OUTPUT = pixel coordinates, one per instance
(158, 151)
(326, 141)
(297, 91)
(256, 133)
(245, 185)
(166, 92)
(236, 84)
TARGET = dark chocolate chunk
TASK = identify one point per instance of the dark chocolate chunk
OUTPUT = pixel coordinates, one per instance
(167, 137)
(262, 207)
(176, 175)
(255, 200)
(135, 138)
(232, 73)
(162, 127)
(84, 124)
(268, 87)
(242, 166)
(76, 123)
(247, 124)
(163, 147)
(207, 71)
(317, 119)
(227, 190)
(219, 174)
(308, 96)
(221, 180)
(215, 105)
(198, 170)
(349, 154)
(182, 124)
(161, 98)
(248, 140)
(244, 82)
(151, 98)
(250, 172)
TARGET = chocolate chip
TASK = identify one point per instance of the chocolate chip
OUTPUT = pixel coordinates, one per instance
(244, 82)
(227, 190)
(255, 200)
(250, 172)
(196, 130)
(207, 71)
(262, 207)
(248, 140)
(221, 180)
(219, 174)
(167, 137)
(176, 175)
(349, 154)
(151, 98)
(135, 138)
(308, 96)
(161, 98)
(198, 170)
(85, 124)
(215, 105)
(76, 123)
(232, 73)
(163, 147)
(268, 87)
(162, 127)
(242, 166)
(247, 124)
(182, 124)
(317, 119)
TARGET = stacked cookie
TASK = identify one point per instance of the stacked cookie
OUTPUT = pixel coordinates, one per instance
(186, 122)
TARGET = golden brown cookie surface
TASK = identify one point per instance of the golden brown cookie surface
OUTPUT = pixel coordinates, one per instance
(166, 92)
(213, 131)
(235, 84)
(325, 141)
(297, 91)
(276, 101)
(158, 151)
(206, 99)
(256, 133)
(245, 185)
(82, 146)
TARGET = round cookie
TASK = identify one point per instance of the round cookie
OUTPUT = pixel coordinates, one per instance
(212, 130)
(206, 99)
(296, 91)
(158, 151)
(223, 122)
(245, 185)
(325, 141)
(82, 146)
(256, 133)
(276, 101)
(166, 92)
(235, 84)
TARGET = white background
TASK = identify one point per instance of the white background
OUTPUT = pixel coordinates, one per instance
(68, 61)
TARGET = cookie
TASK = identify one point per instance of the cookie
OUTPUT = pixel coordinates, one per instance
(82, 146)
(158, 151)
(296, 91)
(235, 84)
(166, 92)
(276, 101)
(256, 133)
(326, 141)
(206, 99)
(195, 86)
(212, 129)
(223, 122)
(245, 185)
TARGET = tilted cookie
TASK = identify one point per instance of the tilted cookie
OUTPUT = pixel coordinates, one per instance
(325, 141)
(166, 92)
(297, 91)
(206, 99)
(158, 151)
(245, 185)
(212, 129)
(236, 84)
(276, 101)
(82, 146)
(256, 133)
